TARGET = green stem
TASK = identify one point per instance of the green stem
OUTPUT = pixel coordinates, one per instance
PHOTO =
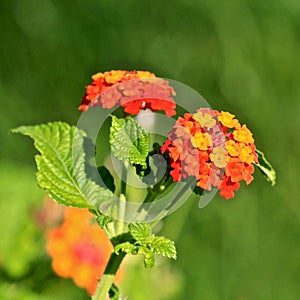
(124, 178)
(165, 212)
(120, 224)
(108, 277)
(152, 194)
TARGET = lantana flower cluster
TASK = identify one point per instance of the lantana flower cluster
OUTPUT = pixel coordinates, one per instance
(79, 249)
(209, 145)
(133, 90)
(213, 147)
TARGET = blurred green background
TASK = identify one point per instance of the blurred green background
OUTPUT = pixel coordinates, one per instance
(242, 56)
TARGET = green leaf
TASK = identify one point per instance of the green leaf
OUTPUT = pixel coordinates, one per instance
(61, 165)
(149, 259)
(129, 141)
(148, 244)
(141, 232)
(141, 241)
(164, 247)
(126, 247)
(103, 220)
(266, 167)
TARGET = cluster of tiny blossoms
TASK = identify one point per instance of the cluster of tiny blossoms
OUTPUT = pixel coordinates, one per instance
(79, 248)
(133, 90)
(213, 147)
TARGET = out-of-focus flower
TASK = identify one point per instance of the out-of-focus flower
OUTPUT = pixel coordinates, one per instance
(213, 147)
(133, 90)
(50, 214)
(79, 248)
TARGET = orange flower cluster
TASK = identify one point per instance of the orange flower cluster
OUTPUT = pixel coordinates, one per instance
(133, 90)
(79, 249)
(213, 147)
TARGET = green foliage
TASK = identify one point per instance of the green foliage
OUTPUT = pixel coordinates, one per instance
(25, 269)
(61, 165)
(146, 243)
(103, 220)
(141, 232)
(164, 247)
(266, 167)
(126, 247)
(129, 141)
(149, 259)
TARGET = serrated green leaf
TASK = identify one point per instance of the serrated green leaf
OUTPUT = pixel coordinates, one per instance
(142, 241)
(126, 247)
(129, 141)
(61, 165)
(149, 259)
(164, 247)
(141, 232)
(266, 167)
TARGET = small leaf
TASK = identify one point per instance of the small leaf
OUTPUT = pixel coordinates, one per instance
(126, 247)
(142, 241)
(103, 220)
(149, 259)
(61, 165)
(141, 232)
(129, 141)
(164, 247)
(266, 167)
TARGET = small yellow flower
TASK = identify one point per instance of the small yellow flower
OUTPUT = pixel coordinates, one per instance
(247, 155)
(114, 76)
(227, 119)
(201, 140)
(233, 148)
(97, 76)
(144, 74)
(243, 135)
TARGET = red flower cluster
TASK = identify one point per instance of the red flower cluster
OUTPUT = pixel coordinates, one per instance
(133, 90)
(213, 147)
